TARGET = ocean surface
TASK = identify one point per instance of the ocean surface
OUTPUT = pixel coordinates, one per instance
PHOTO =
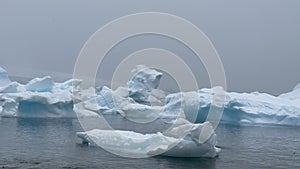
(52, 143)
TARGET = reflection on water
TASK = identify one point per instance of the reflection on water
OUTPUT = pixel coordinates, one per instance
(52, 143)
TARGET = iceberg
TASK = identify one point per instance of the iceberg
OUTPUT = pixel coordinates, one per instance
(40, 97)
(199, 141)
(255, 108)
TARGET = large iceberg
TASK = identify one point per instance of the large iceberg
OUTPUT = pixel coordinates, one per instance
(255, 108)
(40, 97)
(183, 140)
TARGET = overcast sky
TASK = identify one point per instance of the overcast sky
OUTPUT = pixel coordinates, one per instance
(258, 40)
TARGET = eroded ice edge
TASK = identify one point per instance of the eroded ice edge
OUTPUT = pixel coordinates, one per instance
(141, 101)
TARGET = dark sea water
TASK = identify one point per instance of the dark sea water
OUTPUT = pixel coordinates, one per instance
(52, 143)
